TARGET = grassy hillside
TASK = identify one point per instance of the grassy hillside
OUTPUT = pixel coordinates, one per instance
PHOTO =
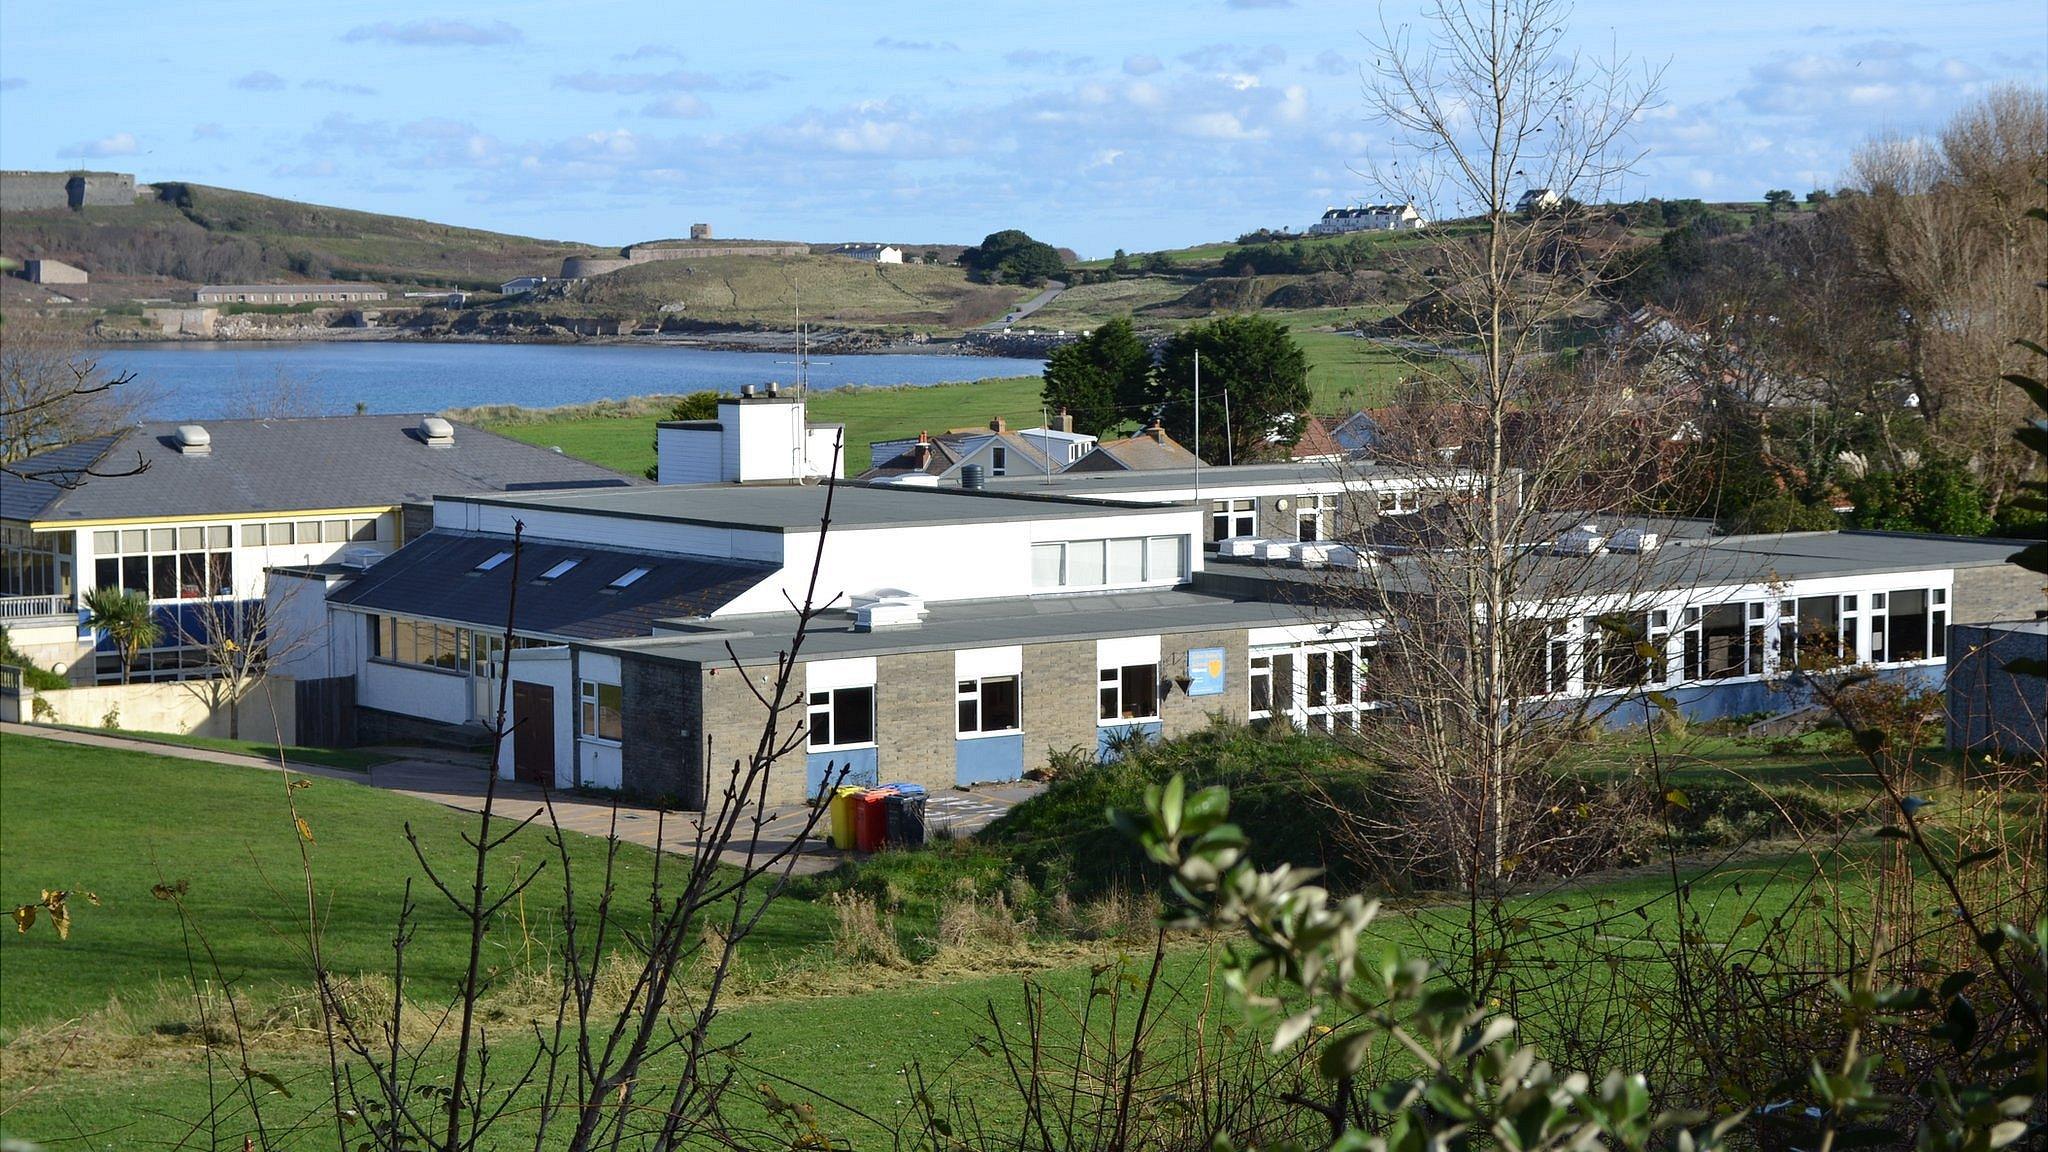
(625, 440)
(831, 289)
(199, 235)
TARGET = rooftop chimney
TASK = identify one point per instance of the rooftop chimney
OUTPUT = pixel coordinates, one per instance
(746, 391)
(194, 440)
(1156, 432)
(998, 425)
(1064, 422)
(774, 388)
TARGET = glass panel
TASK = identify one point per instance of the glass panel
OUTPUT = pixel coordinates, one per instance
(1086, 563)
(134, 540)
(362, 530)
(1907, 625)
(1141, 691)
(1343, 674)
(1126, 561)
(1045, 565)
(252, 535)
(1722, 633)
(220, 573)
(309, 532)
(1262, 684)
(853, 715)
(821, 719)
(280, 533)
(1106, 695)
(191, 575)
(106, 543)
(334, 531)
(970, 715)
(106, 572)
(999, 704)
(163, 540)
(610, 719)
(1163, 558)
(1819, 631)
(163, 577)
(190, 539)
(219, 536)
(1283, 681)
(135, 573)
(1938, 644)
(1318, 674)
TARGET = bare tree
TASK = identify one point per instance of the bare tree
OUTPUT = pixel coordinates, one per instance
(53, 392)
(1514, 448)
(239, 641)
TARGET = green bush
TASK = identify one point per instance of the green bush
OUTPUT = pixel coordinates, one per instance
(33, 675)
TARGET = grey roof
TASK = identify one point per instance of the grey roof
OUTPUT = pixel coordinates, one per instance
(1279, 474)
(972, 624)
(951, 449)
(1138, 453)
(283, 465)
(436, 577)
(289, 288)
(788, 507)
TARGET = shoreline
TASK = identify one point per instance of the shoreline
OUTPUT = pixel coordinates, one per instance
(832, 343)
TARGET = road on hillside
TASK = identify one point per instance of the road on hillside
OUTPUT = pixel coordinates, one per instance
(1053, 288)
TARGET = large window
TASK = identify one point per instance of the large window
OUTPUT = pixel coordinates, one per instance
(1312, 516)
(601, 718)
(188, 563)
(988, 705)
(1320, 687)
(1109, 563)
(1128, 693)
(358, 530)
(842, 717)
(1716, 642)
(1229, 518)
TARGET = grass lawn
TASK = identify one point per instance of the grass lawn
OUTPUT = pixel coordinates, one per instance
(117, 823)
(349, 759)
(869, 414)
(1345, 372)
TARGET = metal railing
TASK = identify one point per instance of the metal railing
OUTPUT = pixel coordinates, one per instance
(30, 607)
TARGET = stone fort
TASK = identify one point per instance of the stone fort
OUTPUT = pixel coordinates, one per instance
(34, 191)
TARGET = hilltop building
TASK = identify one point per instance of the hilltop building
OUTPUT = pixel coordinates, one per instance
(871, 253)
(53, 272)
(285, 293)
(1537, 199)
(1368, 218)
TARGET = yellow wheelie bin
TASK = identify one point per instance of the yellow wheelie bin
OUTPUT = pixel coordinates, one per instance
(842, 808)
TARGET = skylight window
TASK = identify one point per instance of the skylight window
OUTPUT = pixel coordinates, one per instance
(561, 569)
(629, 579)
(493, 562)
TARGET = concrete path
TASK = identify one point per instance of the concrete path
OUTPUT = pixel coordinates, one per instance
(1053, 288)
(458, 781)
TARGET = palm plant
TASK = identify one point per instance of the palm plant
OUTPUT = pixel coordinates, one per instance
(126, 617)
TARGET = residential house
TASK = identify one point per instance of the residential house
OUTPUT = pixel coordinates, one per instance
(1537, 199)
(520, 285)
(1368, 218)
(1149, 450)
(996, 450)
(871, 253)
(286, 293)
(190, 512)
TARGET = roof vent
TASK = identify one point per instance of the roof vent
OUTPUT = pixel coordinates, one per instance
(746, 391)
(438, 433)
(360, 557)
(194, 440)
(1585, 540)
(773, 389)
(887, 608)
(1633, 540)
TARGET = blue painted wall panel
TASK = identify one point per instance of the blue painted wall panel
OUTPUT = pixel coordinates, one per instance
(988, 759)
(862, 765)
(1107, 736)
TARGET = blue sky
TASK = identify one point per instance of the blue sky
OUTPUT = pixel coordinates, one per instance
(1094, 125)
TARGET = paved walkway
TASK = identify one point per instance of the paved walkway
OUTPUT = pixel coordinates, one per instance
(458, 781)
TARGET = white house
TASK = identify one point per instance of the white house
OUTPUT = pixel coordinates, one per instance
(871, 253)
(1537, 199)
(1368, 218)
(521, 284)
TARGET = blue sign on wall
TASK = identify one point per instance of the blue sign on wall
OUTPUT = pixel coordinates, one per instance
(1205, 671)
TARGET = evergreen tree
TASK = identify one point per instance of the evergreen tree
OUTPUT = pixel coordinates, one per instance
(1102, 380)
(1253, 359)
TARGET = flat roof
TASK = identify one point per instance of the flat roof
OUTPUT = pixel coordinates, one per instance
(973, 624)
(793, 507)
(1277, 474)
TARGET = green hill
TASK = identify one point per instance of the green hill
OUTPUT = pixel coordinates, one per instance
(196, 234)
(767, 290)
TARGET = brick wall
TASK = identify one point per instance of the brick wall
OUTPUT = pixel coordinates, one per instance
(1997, 592)
(1989, 707)
(1181, 713)
(1059, 700)
(915, 718)
(658, 756)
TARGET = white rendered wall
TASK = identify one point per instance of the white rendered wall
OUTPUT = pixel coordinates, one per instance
(629, 533)
(549, 666)
(688, 455)
(430, 694)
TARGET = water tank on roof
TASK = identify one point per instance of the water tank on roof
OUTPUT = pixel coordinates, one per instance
(971, 477)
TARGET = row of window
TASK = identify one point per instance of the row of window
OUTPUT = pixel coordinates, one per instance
(989, 705)
(1109, 563)
(429, 645)
(153, 665)
(1322, 687)
(1748, 638)
(169, 575)
(1314, 514)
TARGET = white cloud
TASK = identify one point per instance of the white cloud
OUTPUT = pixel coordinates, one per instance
(341, 87)
(437, 33)
(1143, 64)
(678, 106)
(1219, 126)
(259, 81)
(1330, 62)
(649, 52)
(893, 44)
(118, 144)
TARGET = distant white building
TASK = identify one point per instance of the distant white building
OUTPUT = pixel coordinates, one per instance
(871, 253)
(1537, 199)
(54, 272)
(1368, 218)
(522, 284)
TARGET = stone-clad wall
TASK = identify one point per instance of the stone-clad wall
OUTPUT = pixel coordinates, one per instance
(1997, 592)
(915, 718)
(1990, 708)
(41, 191)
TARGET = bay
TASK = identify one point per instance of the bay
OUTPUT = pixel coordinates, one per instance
(200, 381)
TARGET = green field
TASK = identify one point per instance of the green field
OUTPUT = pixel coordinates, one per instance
(349, 759)
(627, 443)
(772, 291)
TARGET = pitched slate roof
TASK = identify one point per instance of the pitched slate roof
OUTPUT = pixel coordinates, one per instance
(1140, 453)
(283, 465)
(948, 450)
(436, 577)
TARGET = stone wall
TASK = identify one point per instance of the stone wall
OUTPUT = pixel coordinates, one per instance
(40, 191)
(1997, 592)
(659, 755)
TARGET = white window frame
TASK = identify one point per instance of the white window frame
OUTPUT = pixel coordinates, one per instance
(1233, 517)
(590, 696)
(974, 690)
(825, 702)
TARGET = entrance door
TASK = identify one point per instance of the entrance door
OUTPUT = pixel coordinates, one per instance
(533, 733)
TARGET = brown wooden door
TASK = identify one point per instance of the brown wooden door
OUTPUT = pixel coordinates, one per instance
(533, 733)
